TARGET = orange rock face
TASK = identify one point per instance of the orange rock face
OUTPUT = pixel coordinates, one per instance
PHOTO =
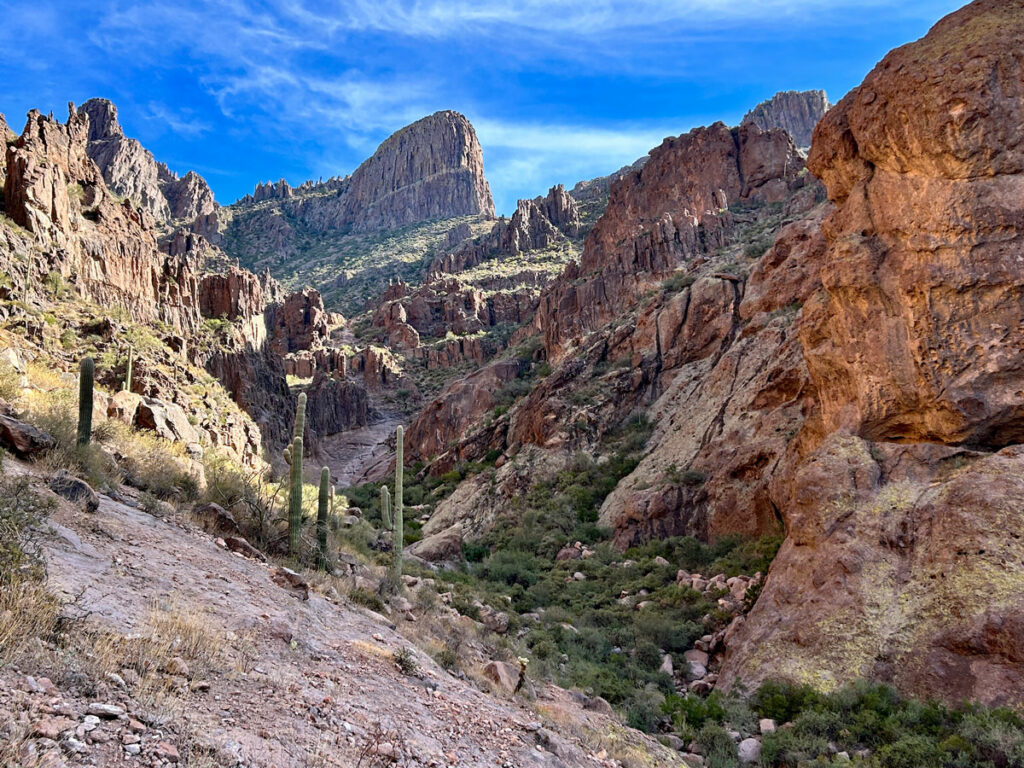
(902, 561)
(917, 337)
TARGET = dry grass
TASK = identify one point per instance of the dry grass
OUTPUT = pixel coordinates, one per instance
(27, 613)
(153, 656)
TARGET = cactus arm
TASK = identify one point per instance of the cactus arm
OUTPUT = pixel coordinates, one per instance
(385, 508)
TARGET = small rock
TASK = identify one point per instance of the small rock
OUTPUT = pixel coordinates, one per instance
(843, 757)
(90, 722)
(166, 751)
(579, 576)
(52, 727)
(178, 666)
(666, 664)
(661, 562)
(109, 711)
(133, 749)
(767, 725)
(696, 656)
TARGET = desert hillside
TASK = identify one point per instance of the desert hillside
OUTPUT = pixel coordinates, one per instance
(714, 460)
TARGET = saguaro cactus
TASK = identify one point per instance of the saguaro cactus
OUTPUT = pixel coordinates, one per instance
(128, 374)
(399, 474)
(385, 507)
(322, 508)
(85, 379)
(294, 459)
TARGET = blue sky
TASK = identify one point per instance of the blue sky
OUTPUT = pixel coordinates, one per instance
(558, 91)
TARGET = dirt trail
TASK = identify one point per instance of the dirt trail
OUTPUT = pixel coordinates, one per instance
(300, 683)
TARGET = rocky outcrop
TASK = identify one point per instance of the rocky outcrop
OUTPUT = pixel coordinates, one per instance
(903, 495)
(107, 248)
(923, 244)
(598, 189)
(445, 304)
(432, 169)
(300, 322)
(673, 210)
(130, 170)
(796, 112)
(279, 190)
(536, 224)
(458, 407)
(336, 404)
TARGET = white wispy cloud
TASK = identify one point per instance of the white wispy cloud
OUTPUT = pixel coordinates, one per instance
(182, 123)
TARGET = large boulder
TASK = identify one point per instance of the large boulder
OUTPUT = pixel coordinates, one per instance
(23, 439)
(74, 490)
(168, 420)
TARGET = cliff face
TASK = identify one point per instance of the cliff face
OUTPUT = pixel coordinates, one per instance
(431, 169)
(901, 561)
(130, 170)
(106, 252)
(674, 209)
(796, 112)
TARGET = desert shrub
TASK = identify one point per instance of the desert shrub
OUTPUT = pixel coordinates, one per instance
(22, 510)
(10, 382)
(367, 599)
(643, 710)
(718, 746)
(405, 660)
(783, 701)
(694, 711)
(910, 752)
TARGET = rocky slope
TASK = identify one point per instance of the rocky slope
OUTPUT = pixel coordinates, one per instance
(194, 655)
(796, 112)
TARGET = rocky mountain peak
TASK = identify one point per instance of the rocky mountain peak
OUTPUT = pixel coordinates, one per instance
(433, 168)
(103, 122)
(796, 112)
(130, 170)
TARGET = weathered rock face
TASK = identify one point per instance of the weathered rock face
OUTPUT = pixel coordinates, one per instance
(796, 112)
(336, 404)
(925, 162)
(130, 170)
(299, 323)
(897, 567)
(446, 304)
(901, 561)
(673, 210)
(432, 169)
(536, 224)
(108, 249)
(459, 406)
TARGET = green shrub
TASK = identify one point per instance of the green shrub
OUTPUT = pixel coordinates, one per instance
(782, 701)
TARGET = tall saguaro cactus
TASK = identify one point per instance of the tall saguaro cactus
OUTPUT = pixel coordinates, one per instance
(323, 504)
(128, 374)
(294, 459)
(85, 380)
(399, 474)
